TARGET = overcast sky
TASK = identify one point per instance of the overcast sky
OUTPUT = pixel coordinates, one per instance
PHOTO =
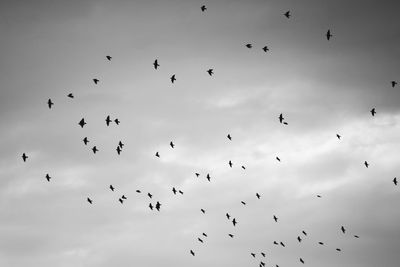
(52, 48)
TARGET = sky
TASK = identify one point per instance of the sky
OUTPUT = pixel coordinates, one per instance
(52, 48)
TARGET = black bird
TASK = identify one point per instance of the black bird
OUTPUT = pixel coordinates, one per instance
(50, 103)
(200, 240)
(356, 236)
(263, 254)
(203, 8)
(328, 35)
(48, 177)
(321, 243)
(120, 200)
(319, 196)
(338, 249)
(117, 121)
(89, 200)
(203, 211)
(138, 191)
(230, 235)
(281, 118)
(94, 149)
(149, 195)
(249, 45)
(173, 79)
(112, 187)
(283, 245)
(229, 137)
(299, 238)
(394, 83)
(253, 254)
(301, 260)
(210, 72)
(108, 120)
(208, 177)
(285, 123)
(276, 243)
(155, 64)
(228, 216)
(204, 234)
(258, 195)
(151, 206)
(24, 157)
(395, 181)
(180, 192)
(338, 136)
(230, 164)
(197, 174)
(85, 141)
(158, 206)
(275, 218)
(304, 233)
(192, 252)
(96, 81)
(172, 144)
(123, 197)
(157, 155)
(70, 95)
(244, 203)
(120, 144)
(243, 167)
(373, 112)
(82, 122)
(343, 230)
(278, 159)
(118, 150)
(174, 190)
(109, 58)
(234, 222)
(287, 14)
(265, 48)
(366, 164)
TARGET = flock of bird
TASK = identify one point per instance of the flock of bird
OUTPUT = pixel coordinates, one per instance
(157, 205)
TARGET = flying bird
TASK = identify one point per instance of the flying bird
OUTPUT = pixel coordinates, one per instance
(231, 235)
(281, 118)
(253, 254)
(304, 233)
(338, 136)
(276, 243)
(263, 254)
(299, 238)
(50, 103)
(70, 95)
(118, 150)
(230, 164)
(204, 234)
(82, 122)
(48, 177)
(243, 167)
(203, 211)
(301, 260)
(287, 14)
(229, 137)
(180, 192)
(24, 157)
(278, 159)
(356, 236)
(151, 206)
(203, 8)
(138, 191)
(321, 243)
(157, 154)
(275, 218)
(173, 79)
(197, 174)
(158, 206)
(234, 222)
(244, 203)
(123, 197)
(283, 245)
(319, 196)
(192, 252)
(155, 64)
(373, 111)
(85, 140)
(109, 58)
(108, 120)
(89, 200)
(366, 164)
(174, 190)
(258, 195)
(394, 83)
(172, 144)
(265, 48)
(343, 229)
(120, 144)
(117, 121)
(121, 200)
(210, 72)
(96, 81)
(200, 240)
(149, 195)
(228, 216)
(94, 149)
(395, 181)
(112, 187)
(328, 35)
(338, 249)
(249, 45)
(208, 177)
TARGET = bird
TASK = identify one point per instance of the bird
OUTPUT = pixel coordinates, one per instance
(96, 80)
(123, 197)
(243, 167)
(230, 164)
(197, 174)
(158, 206)
(287, 14)
(121, 200)
(343, 229)
(328, 35)
(151, 206)
(85, 140)
(70, 95)
(373, 111)
(208, 177)
(119, 150)
(258, 195)
(120, 144)
(229, 137)
(228, 216)
(89, 200)
(234, 222)
(338, 136)
(263, 254)
(172, 144)
(50, 103)
(283, 245)
(138, 191)
(192, 252)
(117, 121)
(112, 187)
(285, 123)
(180, 192)
(275, 218)
(231, 235)
(304, 233)
(265, 48)
(321, 243)
(200, 240)
(174, 190)
(157, 154)
(299, 238)
(204, 234)
(281, 118)
(203, 211)
(48, 177)
(244, 203)
(203, 8)
(155, 64)
(394, 83)
(210, 71)
(108, 120)
(301, 260)
(356, 236)
(278, 159)
(109, 58)
(24, 157)
(149, 195)
(275, 243)
(173, 79)
(319, 196)
(249, 45)
(253, 254)
(395, 181)
(82, 122)
(94, 149)
(338, 249)
(366, 164)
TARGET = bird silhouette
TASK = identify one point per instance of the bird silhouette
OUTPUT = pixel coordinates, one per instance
(265, 48)
(228, 216)
(243, 167)
(278, 159)
(338, 136)
(210, 72)
(155, 64)
(244, 203)
(149, 195)
(89, 200)
(276, 243)
(208, 177)
(174, 190)
(338, 249)
(203, 211)
(373, 111)
(50, 103)
(343, 229)
(299, 238)
(328, 35)
(283, 245)
(258, 195)
(395, 181)
(138, 191)
(117, 121)
(151, 206)
(230, 164)
(253, 254)
(287, 14)
(203, 8)
(356, 236)
(301, 260)
(275, 218)
(121, 200)
(304, 233)
(82, 122)
(108, 120)
(94, 149)
(234, 222)
(173, 79)
(109, 58)
(229, 137)
(319, 196)
(204, 234)
(192, 252)
(123, 197)
(180, 192)
(70, 95)
(48, 177)
(263, 254)
(120, 144)
(366, 164)
(158, 206)
(281, 118)
(96, 81)
(249, 45)
(172, 144)
(231, 235)
(157, 154)
(321, 243)
(197, 174)
(24, 157)
(85, 140)
(112, 187)
(394, 83)
(118, 150)
(200, 240)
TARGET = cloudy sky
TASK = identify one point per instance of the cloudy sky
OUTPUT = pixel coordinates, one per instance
(52, 48)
